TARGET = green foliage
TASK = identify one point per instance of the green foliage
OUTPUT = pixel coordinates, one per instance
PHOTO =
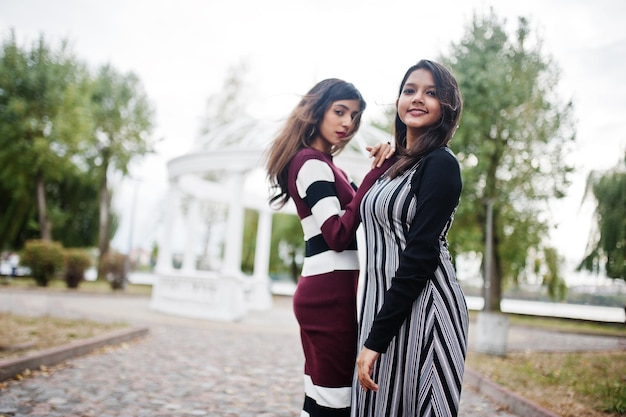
(123, 120)
(74, 211)
(43, 117)
(287, 249)
(551, 278)
(511, 143)
(44, 258)
(76, 263)
(251, 220)
(607, 246)
(61, 131)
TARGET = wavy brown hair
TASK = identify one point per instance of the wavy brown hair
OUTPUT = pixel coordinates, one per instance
(302, 127)
(447, 90)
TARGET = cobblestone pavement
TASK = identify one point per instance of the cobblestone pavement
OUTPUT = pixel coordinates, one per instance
(184, 367)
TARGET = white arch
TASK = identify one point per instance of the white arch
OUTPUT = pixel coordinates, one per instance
(226, 167)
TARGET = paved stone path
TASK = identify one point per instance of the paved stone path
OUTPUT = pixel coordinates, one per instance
(184, 367)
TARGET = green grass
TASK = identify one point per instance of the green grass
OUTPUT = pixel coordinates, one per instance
(99, 286)
(569, 384)
(21, 335)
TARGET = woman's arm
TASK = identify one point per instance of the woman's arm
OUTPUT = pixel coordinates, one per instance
(315, 183)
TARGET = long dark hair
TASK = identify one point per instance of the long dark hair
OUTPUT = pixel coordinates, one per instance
(301, 129)
(438, 135)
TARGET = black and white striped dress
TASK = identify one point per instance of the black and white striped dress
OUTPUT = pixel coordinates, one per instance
(413, 311)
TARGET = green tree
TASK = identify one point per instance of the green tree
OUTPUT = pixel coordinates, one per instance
(123, 120)
(75, 213)
(287, 250)
(43, 119)
(606, 249)
(250, 225)
(511, 143)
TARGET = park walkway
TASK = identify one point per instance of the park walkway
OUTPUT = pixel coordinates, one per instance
(188, 367)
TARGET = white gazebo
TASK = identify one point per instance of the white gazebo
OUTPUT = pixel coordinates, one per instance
(224, 174)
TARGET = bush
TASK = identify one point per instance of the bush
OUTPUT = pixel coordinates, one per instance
(113, 267)
(44, 258)
(76, 262)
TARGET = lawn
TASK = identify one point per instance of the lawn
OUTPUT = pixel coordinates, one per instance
(21, 335)
(100, 286)
(590, 384)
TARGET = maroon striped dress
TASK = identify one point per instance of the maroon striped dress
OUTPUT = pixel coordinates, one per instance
(325, 299)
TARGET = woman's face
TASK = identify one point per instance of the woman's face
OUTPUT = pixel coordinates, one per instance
(337, 125)
(418, 106)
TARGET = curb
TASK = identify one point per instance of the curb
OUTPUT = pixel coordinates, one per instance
(53, 356)
(515, 403)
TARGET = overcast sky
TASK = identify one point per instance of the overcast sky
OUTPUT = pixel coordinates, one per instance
(182, 49)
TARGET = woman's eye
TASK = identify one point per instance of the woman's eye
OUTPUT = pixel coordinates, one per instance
(408, 91)
(432, 93)
(339, 112)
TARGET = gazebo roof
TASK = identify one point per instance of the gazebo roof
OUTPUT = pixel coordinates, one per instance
(238, 148)
(249, 133)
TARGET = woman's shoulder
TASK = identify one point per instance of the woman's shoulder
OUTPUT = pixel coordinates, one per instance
(443, 153)
(443, 156)
(311, 163)
(440, 161)
(438, 166)
(306, 154)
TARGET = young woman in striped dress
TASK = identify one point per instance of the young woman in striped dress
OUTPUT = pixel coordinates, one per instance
(414, 318)
(300, 166)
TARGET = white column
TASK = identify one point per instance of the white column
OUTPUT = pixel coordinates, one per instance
(192, 225)
(234, 233)
(261, 297)
(164, 259)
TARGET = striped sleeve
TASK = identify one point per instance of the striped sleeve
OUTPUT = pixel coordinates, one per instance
(315, 183)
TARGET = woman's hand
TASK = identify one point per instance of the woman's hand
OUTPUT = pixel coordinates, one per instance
(380, 153)
(365, 368)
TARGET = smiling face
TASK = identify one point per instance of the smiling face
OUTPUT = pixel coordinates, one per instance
(337, 125)
(418, 106)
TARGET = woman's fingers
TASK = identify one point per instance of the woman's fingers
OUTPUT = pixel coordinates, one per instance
(390, 150)
(365, 369)
(380, 152)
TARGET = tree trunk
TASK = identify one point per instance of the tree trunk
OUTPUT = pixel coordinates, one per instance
(492, 289)
(295, 272)
(495, 296)
(44, 223)
(103, 233)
